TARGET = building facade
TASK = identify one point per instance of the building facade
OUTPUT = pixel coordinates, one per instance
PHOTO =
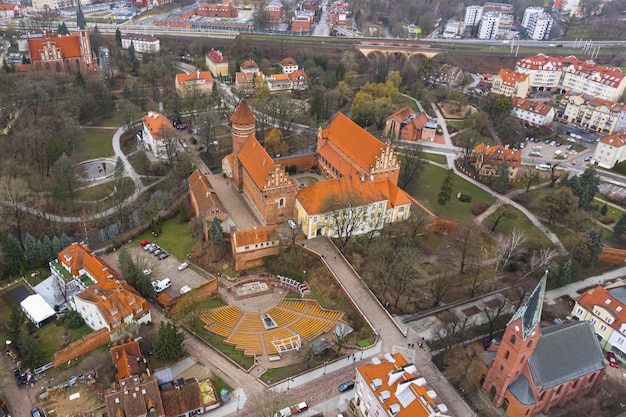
(532, 112)
(405, 124)
(510, 83)
(489, 158)
(194, 84)
(251, 247)
(159, 137)
(204, 201)
(217, 63)
(489, 25)
(473, 15)
(611, 150)
(590, 113)
(534, 369)
(143, 43)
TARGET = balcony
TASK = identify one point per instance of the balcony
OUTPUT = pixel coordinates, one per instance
(58, 270)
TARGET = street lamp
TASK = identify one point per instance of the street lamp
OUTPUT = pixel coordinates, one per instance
(325, 363)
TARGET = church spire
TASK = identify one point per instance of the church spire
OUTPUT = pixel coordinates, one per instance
(80, 17)
(530, 311)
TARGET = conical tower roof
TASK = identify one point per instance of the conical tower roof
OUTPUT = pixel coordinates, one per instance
(530, 311)
(80, 16)
(243, 114)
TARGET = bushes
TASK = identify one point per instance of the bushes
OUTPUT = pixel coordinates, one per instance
(73, 320)
(464, 198)
(480, 208)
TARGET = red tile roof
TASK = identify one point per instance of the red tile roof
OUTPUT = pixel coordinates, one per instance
(396, 196)
(68, 44)
(243, 115)
(181, 79)
(184, 398)
(258, 235)
(133, 397)
(256, 161)
(531, 106)
(279, 77)
(511, 78)
(249, 64)
(598, 296)
(618, 140)
(297, 74)
(498, 154)
(216, 56)
(402, 114)
(124, 356)
(353, 141)
(288, 62)
(157, 124)
(205, 197)
(610, 76)
(322, 196)
(78, 256)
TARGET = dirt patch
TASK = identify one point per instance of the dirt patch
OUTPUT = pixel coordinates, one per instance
(471, 311)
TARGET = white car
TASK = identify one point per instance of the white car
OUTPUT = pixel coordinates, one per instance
(182, 266)
(291, 224)
(147, 271)
(185, 289)
(160, 286)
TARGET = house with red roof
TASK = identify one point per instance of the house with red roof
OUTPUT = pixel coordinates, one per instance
(250, 247)
(10, 10)
(247, 81)
(159, 137)
(299, 80)
(590, 113)
(288, 65)
(406, 124)
(194, 83)
(489, 158)
(249, 66)
(135, 396)
(611, 150)
(217, 63)
(391, 386)
(125, 356)
(510, 83)
(204, 201)
(265, 182)
(532, 112)
(605, 309)
(279, 82)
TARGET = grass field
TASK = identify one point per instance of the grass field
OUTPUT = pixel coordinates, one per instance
(521, 223)
(440, 159)
(174, 238)
(458, 124)
(96, 143)
(116, 120)
(429, 184)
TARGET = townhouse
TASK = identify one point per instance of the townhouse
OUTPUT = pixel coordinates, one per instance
(510, 83)
(143, 43)
(217, 63)
(489, 158)
(590, 113)
(532, 112)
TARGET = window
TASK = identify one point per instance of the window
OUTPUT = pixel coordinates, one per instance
(530, 343)
(281, 203)
(603, 328)
(620, 340)
(506, 355)
(513, 339)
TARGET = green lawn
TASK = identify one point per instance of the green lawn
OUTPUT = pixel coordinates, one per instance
(174, 238)
(458, 124)
(426, 188)
(435, 157)
(403, 101)
(520, 222)
(51, 338)
(116, 120)
(96, 143)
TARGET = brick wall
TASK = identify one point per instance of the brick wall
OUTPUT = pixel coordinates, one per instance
(303, 162)
(85, 345)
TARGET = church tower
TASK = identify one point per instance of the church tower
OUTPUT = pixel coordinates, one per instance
(518, 343)
(243, 125)
(83, 35)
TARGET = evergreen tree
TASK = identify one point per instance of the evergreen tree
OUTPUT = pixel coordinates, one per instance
(47, 251)
(216, 232)
(215, 94)
(500, 182)
(13, 251)
(566, 273)
(65, 241)
(62, 29)
(445, 192)
(604, 209)
(30, 250)
(126, 92)
(135, 97)
(118, 37)
(595, 242)
(79, 80)
(31, 352)
(183, 216)
(169, 343)
(620, 226)
(134, 62)
(584, 186)
(317, 105)
(56, 244)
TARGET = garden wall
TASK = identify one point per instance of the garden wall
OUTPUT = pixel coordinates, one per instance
(85, 345)
(303, 162)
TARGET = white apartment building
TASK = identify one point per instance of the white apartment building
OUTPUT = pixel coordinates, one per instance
(538, 25)
(621, 120)
(489, 25)
(528, 13)
(532, 112)
(590, 113)
(159, 137)
(452, 30)
(472, 15)
(611, 150)
(141, 42)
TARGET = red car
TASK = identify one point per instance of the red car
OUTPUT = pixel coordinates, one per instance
(610, 356)
(144, 243)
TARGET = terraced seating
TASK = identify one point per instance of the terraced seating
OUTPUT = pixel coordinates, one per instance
(316, 310)
(296, 305)
(227, 315)
(219, 329)
(251, 322)
(250, 343)
(282, 316)
(206, 317)
(309, 327)
(275, 334)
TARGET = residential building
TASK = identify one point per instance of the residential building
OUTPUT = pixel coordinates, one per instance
(605, 309)
(528, 13)
(611, 150)
(279, 82)
(125, 356)
(489, 158)
(489, 25)
(251, 247)
(249, 66)
(570, 74)
(504, 8)
(532, 112)
(350, 205)
(299, 80)
(534, 369)
(77, 268)
(142, 42)
(338, 13)
(450, 75)
(288, 65)
(53, 5)
(590, 113)
(217, 63)
(159, 137)
(204, 201)
(510, 83)
(405, 124)
(247, 81)
(621, 120)
(309, 5)
(537, 23)
(194, 84)
(391, 386)
(264, 181)
(302, 22)
(452, 30)
(10, 10)
(64, 53)
(188, 398)
(135, 396)
(473, 14)
(274, 10)
(345, 149)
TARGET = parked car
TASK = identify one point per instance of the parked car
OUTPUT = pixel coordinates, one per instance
(163, 255)
(147, 271)
(348, 385)
(182, 266)
(35, 412)
(185, 289)
(144, 243)
(610, 356)
(160, 286)
(149, 246)
(587, 159)
(298, 408)
(573, 162)
(291, 224)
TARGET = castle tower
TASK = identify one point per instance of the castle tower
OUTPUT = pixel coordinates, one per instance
(243, 124)
(518, 343)
(83, 34)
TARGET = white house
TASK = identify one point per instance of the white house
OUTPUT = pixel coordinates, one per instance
(159, 137)
(37, 310)
(141, 42)
(288, 65)
(611, 150)
(532, 112)
(489, 25)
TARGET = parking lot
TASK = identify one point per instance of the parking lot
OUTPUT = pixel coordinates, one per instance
(562, 151)
(168, 268)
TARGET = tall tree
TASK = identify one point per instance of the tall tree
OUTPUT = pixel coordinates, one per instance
(620, 226)
(558, 205)
(595, 242)
(445, 192)
(566, 273)
(169, 343)
(500, 181)
(584, 186)
(503, 214)
(118, 37)
(411, 165)
(347, 214)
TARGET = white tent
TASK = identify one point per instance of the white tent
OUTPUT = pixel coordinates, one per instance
(37, 310)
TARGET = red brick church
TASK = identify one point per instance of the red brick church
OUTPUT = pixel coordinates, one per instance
(271, 190)
(533, 369)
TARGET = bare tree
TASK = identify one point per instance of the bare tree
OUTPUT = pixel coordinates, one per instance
(14, 195)
(450, 328)
(347, 215)
(540, 260)
(437, 288)
(493, 309)
(507, 248)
